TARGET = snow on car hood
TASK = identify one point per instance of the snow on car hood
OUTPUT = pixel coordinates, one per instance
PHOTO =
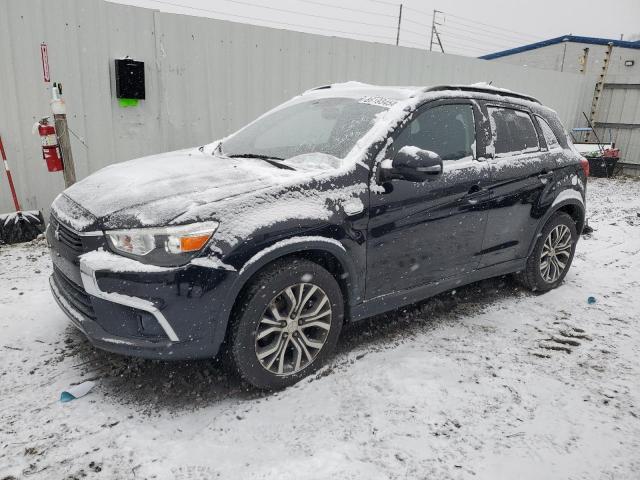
(191, 185)
(185, 176)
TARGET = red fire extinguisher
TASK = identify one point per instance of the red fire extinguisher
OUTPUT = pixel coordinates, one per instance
(50, 149)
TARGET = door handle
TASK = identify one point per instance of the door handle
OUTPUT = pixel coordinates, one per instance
(477, 192)
(545, 176)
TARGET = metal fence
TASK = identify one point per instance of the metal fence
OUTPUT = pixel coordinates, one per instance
(204, 78)
(619, 119)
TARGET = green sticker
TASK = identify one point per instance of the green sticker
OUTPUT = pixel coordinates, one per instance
(128, 102)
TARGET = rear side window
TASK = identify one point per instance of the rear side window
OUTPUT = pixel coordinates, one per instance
(448, 130)
(513, 131)
(549, 136)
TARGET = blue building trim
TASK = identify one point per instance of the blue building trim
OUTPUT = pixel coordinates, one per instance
(564, 38)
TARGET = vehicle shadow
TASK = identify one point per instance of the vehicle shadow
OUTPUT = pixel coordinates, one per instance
(386, 330)
(152, 386)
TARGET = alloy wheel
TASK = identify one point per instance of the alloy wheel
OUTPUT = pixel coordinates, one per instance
(293, 329)
(556, 253)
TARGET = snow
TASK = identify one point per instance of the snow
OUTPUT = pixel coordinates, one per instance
(101, 260)
(314, 161)
(457, 387)
(413, 152)
(212, 262)
(284, 243)
(7, 218)
(71, 214)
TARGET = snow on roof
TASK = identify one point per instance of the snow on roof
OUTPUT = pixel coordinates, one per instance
(359, 89)
(403, 93)
(564, 38)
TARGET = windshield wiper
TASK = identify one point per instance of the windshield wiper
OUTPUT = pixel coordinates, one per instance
(275, 161)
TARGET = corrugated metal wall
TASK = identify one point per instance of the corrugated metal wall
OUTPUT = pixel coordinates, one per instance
(618, 119)
(204, 78)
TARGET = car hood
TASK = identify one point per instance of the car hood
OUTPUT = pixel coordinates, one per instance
(153, 190)
(190, 186)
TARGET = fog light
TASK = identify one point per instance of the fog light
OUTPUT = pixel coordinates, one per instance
(149, 326)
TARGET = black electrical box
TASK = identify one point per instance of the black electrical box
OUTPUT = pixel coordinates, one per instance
(129, 79)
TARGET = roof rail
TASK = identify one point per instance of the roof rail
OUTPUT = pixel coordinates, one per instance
(338, 85)
(481, 89)
(313, 89)
(321, 87)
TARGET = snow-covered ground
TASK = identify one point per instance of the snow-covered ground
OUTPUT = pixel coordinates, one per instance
(487, 382)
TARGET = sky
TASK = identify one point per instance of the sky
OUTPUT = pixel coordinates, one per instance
(466, 27)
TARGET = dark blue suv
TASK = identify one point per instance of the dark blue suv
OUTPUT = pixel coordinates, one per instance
(347, 201)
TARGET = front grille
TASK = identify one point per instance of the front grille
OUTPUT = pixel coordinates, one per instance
(66, 236)
(74, 294)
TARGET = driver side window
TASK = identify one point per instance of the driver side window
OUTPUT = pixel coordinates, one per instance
(448, 130)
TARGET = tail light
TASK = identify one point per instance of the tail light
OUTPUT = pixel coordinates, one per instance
(584, 163)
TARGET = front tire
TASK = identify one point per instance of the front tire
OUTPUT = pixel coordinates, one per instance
(552, 255)
(287, 324)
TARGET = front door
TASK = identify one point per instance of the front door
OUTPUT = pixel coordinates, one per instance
(421, 233)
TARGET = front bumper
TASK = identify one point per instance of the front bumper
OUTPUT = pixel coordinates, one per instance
(155, 313)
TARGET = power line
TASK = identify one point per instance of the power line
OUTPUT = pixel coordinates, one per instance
(446, 31)
(404, 6)
(424, 46)
(519, 37)
(466, 44)
(417, 11)
(244, 17)
(413, 44)
(481, 31)
(422, 24)
(468, 50)
(465, 47)
(296, 12)
(408, 30)
(383, 2)
(355, 10)
(475, 22)
(474, 39)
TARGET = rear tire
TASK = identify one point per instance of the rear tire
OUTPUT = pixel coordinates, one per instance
(552, 255)
(287, 324)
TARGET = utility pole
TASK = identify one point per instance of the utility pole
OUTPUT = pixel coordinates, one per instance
(434, 32)
(433, 28)
(62, 131)
(399, 23)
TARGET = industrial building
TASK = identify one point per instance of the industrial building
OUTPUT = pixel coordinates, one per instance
(612, 94)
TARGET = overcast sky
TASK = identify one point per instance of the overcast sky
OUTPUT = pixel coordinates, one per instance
(469, 27)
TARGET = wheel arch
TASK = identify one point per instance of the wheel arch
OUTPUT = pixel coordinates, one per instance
(327, 252)
(568, 201)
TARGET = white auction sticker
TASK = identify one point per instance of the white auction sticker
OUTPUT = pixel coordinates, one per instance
(380, 101)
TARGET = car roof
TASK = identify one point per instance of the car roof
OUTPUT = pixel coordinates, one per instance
(358, 89)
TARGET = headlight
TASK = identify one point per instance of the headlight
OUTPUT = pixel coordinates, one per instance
(168, 246)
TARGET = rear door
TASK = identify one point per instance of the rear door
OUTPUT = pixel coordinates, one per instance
(522, 171)
(423, 232)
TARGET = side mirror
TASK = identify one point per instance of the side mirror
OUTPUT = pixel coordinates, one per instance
(412, 164)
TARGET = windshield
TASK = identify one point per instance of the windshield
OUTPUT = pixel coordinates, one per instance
(329, 126)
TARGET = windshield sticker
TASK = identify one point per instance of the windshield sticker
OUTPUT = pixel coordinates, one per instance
(380, 101)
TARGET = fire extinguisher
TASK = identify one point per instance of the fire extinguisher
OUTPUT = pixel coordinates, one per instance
(50, 149)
